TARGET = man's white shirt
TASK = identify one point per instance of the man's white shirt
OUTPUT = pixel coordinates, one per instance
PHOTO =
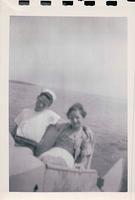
(32, 125)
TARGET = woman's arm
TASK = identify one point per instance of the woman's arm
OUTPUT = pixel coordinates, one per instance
(82, 164)
(87, 147)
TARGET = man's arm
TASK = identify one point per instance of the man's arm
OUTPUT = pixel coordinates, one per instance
(13, 132)
(23, 141)
(26, 142)
(60, 124)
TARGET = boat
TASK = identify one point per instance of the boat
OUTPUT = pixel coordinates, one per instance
(62, 179)
(33, 175)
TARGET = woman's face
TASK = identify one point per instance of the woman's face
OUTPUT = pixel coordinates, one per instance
(76, 119)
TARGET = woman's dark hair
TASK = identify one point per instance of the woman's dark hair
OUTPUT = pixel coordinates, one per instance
(77, 107)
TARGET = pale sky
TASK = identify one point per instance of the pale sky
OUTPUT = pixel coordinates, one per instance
(85, 54)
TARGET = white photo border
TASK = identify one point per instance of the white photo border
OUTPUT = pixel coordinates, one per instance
(10, 8)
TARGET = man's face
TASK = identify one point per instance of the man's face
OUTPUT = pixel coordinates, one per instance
(42, 103)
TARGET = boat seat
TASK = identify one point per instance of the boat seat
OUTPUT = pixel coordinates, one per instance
(64, 179)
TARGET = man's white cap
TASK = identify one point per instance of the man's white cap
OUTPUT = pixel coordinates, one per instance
(50, 92)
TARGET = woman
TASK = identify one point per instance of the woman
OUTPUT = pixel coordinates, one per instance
(74, 143)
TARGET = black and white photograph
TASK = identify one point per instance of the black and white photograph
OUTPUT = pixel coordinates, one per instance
(68, 104)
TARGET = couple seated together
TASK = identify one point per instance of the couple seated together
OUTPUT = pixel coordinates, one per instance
(75, 141)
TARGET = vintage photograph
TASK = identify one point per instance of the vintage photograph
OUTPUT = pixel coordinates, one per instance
(68, 104)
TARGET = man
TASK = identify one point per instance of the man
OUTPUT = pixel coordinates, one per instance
(31, 124)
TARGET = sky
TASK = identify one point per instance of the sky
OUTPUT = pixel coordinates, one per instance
(87, 54)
